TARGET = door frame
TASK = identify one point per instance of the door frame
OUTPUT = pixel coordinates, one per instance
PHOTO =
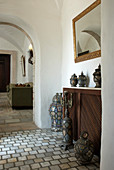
(13, 63)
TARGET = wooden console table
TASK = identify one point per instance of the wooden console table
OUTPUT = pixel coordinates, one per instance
(86, 113)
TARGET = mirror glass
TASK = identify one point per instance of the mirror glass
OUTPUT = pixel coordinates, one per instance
(87, 33)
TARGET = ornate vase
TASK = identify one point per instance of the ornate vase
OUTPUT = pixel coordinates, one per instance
(84, 149)
(67, 130)
(56, 112)
(67, 141)
(97, 76)
(73, 80)
(82, 80)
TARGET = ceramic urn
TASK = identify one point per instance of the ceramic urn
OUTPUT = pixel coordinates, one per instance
(82, 80)
(56, 112)
(97, 76)
(73, 80)
(84, 149)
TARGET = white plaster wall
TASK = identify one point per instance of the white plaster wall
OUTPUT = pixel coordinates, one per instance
(50, 76)
(107, 144)
(70, 10)
(41, 20)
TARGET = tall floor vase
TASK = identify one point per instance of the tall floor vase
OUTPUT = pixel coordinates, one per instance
(56, 112)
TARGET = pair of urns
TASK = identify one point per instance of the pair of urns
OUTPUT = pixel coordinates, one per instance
(81, 80)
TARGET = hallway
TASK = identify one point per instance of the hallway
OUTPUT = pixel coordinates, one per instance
(14, 120)
(9, 115)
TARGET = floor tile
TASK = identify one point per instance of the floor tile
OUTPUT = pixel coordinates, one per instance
(82, 168)
(55, 162)
(23, 146)
(64, 166)
(35, 166)
(25, 167)
(43, 164)
(55, 167)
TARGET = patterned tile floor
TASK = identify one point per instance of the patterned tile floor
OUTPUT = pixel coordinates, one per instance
(38, 149)
(23, 146)
(9, 115)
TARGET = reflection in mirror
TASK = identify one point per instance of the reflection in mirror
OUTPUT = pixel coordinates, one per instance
(87, 33)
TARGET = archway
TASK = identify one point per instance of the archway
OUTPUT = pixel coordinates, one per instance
(13, 53)
(19, 28)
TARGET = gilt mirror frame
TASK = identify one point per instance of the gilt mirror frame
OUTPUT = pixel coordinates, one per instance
(91, 55)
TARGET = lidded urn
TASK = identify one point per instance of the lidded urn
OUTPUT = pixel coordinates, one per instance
(73, 80)
(97, 76)
(82, 80)
(56, 112)
(84, 149)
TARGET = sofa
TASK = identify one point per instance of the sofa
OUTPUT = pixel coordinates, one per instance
(20, 95)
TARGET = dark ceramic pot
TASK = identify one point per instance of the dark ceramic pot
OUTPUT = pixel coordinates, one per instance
(67, 129)
(56, 112)
(97, 76)
(84, 149)
(82, 80)
(73, 80)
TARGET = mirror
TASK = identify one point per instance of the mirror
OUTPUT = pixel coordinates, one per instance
(87, 33)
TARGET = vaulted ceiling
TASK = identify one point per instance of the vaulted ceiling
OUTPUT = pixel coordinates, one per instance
(12, 34)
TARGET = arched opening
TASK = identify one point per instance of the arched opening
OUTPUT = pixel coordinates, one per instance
(14, 63)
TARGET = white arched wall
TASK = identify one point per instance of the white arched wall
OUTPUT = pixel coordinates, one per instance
(14, 63)
(36, 115)
(45, 32)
